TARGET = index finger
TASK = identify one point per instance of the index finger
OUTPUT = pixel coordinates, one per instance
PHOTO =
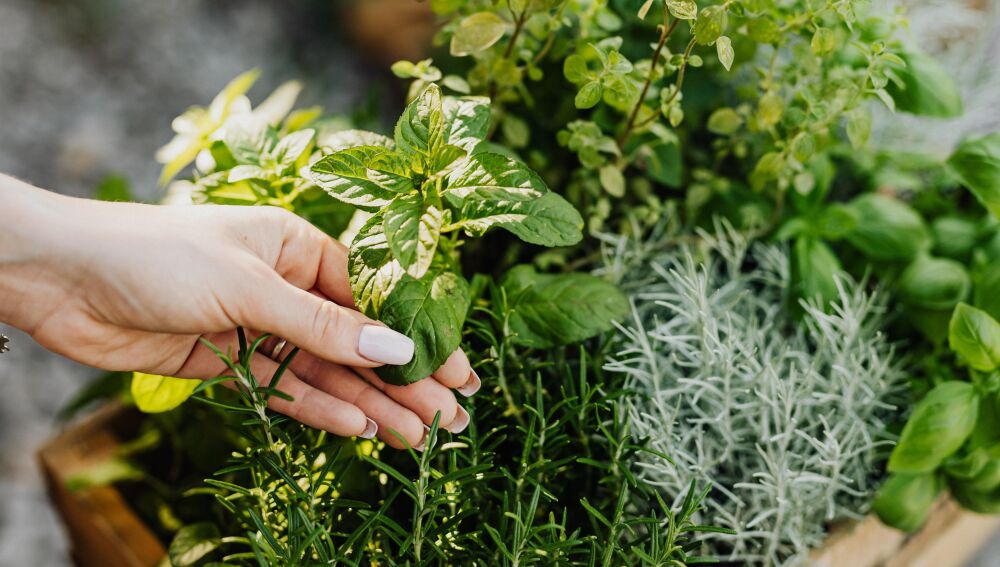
(311, 259)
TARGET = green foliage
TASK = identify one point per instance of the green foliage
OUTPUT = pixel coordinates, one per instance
(977, 163)
(940, 423)
(924, 88)
(154, 394)
(904, 500)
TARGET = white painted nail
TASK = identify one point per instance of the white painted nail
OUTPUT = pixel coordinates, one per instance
(460, 422)
(382, 344)
(370, 430)
(472, 386)
(423, 442)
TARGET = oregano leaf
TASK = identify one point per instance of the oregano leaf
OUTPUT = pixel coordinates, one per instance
(413, 228)
(477, 32)
(431, 311)
(724, 48)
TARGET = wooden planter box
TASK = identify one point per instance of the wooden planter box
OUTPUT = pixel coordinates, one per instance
(104, 531)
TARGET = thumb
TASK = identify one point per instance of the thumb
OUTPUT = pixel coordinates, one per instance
(324, 328)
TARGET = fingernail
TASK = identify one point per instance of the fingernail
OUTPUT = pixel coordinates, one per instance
(461, 421)
(382, 344)
(370, 430)
(472, 386)
(423, 442)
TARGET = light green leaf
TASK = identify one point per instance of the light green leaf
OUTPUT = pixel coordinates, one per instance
(575, 69)
(724, 121)
(288, 150)
(940, 423)
(193, 542)
(612, 180)
(683, 9)
(814, 270)
(156, 394)
(248, 139)
(456, 83)
(431, 311)
(927, 89)
(559, 309)
(106, 472)
(644, 9)
(904, 500)
(977, 163)
(975, 336)
(244, 172)
(279, 103)
(336, 141)
(412, 228)
(621, 92)
(824, 40)
(589, 95)
(368, 177)
(516, 131)
(466, 120)
(859, 127)
(373, 271)
(724, 48)
(477, 32)
(420, 129)
(710, 25)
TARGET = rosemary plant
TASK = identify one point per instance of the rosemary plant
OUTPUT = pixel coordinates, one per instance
(787, 422)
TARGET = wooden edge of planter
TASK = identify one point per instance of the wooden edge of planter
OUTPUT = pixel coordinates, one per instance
(103, 529)
(949, 538)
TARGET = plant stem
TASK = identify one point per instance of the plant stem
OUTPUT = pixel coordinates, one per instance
(519, 20)
(664, 35)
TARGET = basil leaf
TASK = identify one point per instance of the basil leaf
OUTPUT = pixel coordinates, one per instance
(940, 423)
(430, 311)
(975, 336)
(373, 271)
(977, 163)
(887, 228)
(548, 220)
(904, 500)
(559, 309)
(413, 228)
(466, 119)
(927, 89)
(420, 129)
(814, 270)
(934, 283)
(156, 394)
(368, 177)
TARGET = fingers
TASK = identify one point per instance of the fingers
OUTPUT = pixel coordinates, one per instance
(324, 328)
(425, 398)
(457, 373)
(340, 382)
(309, 405)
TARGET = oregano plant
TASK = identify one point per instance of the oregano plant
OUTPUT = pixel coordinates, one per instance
(426, 189)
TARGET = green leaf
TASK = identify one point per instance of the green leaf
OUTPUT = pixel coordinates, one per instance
(904, 500)
(575, 69)
(621, 92)
(420, 129)
(368, 177)
(430, 311)
(859, 127)
(724, 48)
(155, 394)
(589, 95)
(105, 472)
(114, 187)
(248, 140)
(814, 269)
(977, 163)
(612, 180)
(336, 141)
(644, 9)
(289, 149)
(193, 542)
(934, 283)
(887, 228)
(724, 121)
(559, 309)
(466, 121)
(374, 272)
(926, 89)
(683, 9)
(413, 228)
(477, 32)
(823, 41)
(975, 336)
(493, 190)
(940, 423)
(710, 24)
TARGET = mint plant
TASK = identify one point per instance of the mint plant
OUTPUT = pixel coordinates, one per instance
(425, 189)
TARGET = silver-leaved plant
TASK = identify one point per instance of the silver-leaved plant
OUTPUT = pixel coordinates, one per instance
(787, 421)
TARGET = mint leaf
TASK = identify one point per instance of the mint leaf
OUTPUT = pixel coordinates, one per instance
(420, 129)
(493, 190)
(344, 139)
(466, 119)
(430, 311)
(368, 177)
(373, 271)
(248, 139)
(289, 149)
(551, 310)
(413, 228)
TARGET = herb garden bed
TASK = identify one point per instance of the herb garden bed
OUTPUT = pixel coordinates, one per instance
(105, 531)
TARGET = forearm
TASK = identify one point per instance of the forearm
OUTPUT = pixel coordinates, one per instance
(32, 229)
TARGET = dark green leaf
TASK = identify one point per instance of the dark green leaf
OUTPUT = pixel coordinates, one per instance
(977, 163)
(559, 309)
(934, 283)
(904, 500)
(814, 269)
(975, 336)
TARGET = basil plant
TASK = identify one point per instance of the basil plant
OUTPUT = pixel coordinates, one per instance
(425, 189)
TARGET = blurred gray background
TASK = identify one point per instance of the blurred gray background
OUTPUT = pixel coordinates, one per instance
(89, 87)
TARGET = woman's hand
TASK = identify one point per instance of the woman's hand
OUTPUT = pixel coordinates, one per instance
(132, 287)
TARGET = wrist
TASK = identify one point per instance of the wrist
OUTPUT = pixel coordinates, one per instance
(30, 230)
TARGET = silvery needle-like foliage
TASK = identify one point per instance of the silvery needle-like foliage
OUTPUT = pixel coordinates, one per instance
(785, 418)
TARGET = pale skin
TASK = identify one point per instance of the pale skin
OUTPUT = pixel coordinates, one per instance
(124, 286)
